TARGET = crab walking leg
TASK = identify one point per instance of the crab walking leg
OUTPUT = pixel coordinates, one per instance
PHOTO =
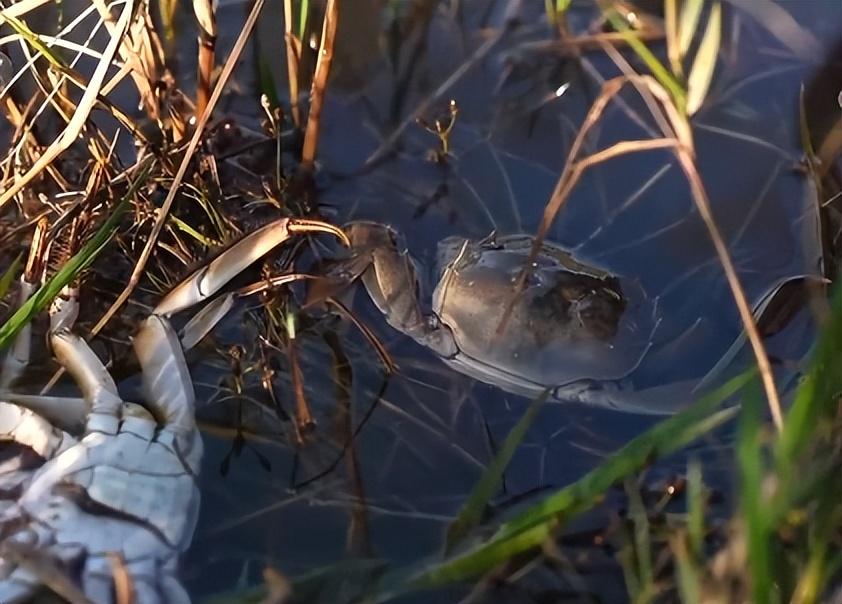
(66, 413)
(74, 354)
(391, 281)
(169, 387)
(208, 280)
(18, 356)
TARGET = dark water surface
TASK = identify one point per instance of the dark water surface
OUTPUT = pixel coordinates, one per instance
(423, 438)
(432, 432)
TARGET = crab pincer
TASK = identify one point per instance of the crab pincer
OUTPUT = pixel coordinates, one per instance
(209, 279)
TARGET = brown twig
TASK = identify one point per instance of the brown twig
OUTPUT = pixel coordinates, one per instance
(304, 420)
(319, 87)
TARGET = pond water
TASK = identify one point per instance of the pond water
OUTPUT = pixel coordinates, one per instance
(391, 461)
(424, 438)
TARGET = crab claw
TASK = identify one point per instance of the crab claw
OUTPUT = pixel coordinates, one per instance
(209, 279)
(165, 375)
(390, 279)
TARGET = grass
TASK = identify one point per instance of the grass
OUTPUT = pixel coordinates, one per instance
(782, 541)
(72, 269)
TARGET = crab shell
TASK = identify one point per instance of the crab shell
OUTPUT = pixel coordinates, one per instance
(571, 322)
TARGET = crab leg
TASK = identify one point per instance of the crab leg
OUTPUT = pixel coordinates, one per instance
(390, 279)
(18, 356)
(67, 413)
(209, 279)
(74, 354)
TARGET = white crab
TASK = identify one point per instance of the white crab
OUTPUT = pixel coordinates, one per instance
(121, 491)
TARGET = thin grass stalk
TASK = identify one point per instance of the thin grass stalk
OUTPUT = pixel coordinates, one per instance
(686, 158)
(20, 8)
(206, 18)
(45, 569)
(671, 27)
(319, 88)
(389, 365)
(131, 59)
(691, 11)
(293, 44)
(303, 17)
(689, 583)
(701, 73)
(753, 504)
(124, 589)
(8, 277)
(663, 75)
(163, 213)
(471, 514)
(64, 107)
(80, 116)
(303, 416)
(640, 544)
(71, 269)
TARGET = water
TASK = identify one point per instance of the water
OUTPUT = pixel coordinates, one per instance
(433, 431)
(422, 438)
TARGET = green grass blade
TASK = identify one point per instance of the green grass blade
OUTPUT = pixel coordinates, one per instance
(662, 439)
(671, 33)
(303, 17)
(189, 230)
(340, 583)
(695, 509)
(489, 482)
(815, 400)
(47, 292)
(9, 276)
(549, 11)
(35, 42)
(689, 583)
(641, 541)
(532, 527)
(752, 474)
(691, 10)
(701, 74)
(561, 6)
(661, 73)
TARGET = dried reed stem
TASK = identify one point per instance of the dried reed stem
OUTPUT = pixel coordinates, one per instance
(317, 91)
(206, 18)
(293, 45)
(82, 111)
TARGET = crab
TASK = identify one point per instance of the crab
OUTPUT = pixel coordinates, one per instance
(576, 331)
(92, 484)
